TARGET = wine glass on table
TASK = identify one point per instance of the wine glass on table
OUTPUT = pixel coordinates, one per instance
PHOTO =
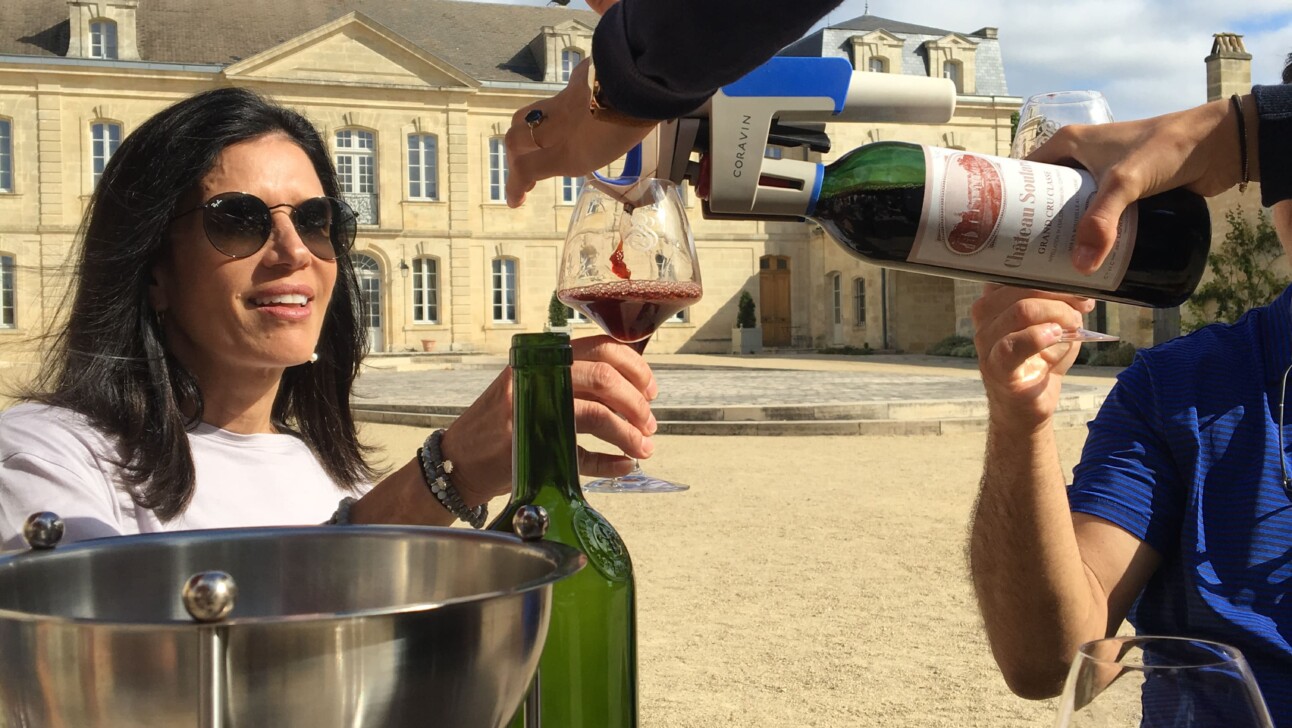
(1039, 117)
(629, 265)
(1160, 682)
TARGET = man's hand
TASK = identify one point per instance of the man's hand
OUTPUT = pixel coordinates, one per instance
(1020, 357)
(1196, 149)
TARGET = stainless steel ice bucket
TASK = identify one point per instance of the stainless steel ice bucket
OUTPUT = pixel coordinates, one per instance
(331, 626)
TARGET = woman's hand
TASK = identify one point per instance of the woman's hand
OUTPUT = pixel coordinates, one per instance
(569, 141)
(613, 387)
(1020, 357)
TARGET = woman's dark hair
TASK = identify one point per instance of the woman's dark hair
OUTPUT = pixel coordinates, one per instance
(110, 363)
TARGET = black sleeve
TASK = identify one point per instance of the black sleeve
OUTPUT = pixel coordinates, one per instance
(1274, 104)
(658, 59)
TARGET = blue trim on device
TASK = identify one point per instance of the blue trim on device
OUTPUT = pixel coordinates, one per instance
(786, 77)
(632, 169)
(816, 189)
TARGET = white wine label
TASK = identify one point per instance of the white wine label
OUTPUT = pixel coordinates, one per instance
(1013, 218)
(602, 545)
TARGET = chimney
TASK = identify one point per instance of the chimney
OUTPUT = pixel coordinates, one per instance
(989, 33)
(1229, 67)
(103, 29)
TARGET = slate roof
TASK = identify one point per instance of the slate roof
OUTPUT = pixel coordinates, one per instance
(487, 40)
(834, 41)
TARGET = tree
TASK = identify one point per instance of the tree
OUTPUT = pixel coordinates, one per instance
(1242, 274)
(556, 312)
(745, 312)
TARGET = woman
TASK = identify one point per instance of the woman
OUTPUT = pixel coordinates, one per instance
(204, 375)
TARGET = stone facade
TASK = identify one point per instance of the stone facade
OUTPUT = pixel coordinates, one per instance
(357, 74)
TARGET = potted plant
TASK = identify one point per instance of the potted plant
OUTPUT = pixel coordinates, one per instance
(557, 321)
(747, 337)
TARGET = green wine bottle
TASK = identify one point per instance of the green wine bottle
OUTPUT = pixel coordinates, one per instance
(588, 671)
(954, 213)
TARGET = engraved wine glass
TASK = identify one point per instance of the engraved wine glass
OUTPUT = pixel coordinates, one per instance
(629, 265)
(1039, 117)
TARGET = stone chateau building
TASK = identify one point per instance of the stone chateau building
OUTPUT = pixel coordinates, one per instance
(414, 99)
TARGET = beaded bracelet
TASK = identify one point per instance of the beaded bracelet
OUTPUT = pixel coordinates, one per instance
(342, 515)
(436, 470)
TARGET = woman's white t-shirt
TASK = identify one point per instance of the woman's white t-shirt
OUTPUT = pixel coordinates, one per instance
(51, 459)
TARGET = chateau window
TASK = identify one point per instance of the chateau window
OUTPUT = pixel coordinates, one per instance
(6, 155)
(859, 301)
(570, 189)
(105, 137)
(356, 169)
(836, 295)
(426, 290)
(6, 292)
(103, 39)
(953, 71)
(570, 58)
(423, 167)
(504, 290)
(497, 170)
(877, 65)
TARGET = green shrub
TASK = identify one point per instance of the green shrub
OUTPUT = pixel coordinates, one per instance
(863, 350)
(745, 312)
(1120, 355)
(951, 345)
(556, 312)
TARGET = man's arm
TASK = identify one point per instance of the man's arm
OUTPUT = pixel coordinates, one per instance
(1046, 580)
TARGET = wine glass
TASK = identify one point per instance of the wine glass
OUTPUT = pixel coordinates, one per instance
(1160, 682)
(1042, 115)
(629, 265)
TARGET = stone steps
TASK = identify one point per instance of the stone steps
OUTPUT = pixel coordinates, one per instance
(865, 418)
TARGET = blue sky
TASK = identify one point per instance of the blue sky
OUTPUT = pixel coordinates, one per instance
(1146, 56)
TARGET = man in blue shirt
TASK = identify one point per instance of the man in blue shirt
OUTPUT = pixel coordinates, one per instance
(1178, 517)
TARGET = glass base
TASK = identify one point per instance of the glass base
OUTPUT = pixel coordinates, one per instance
(634, 482)
(1086, 335)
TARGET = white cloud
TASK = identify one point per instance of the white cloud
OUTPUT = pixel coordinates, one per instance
(1146, 56)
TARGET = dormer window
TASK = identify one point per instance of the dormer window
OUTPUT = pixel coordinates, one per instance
(103, 39)
(559, 49)
(570, 58)
(953, 57)
(877, 65)
(102, 30)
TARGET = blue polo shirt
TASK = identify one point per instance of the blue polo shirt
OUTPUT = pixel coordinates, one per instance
(1184, 455)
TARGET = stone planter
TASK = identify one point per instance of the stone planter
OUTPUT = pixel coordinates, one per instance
(747, 341)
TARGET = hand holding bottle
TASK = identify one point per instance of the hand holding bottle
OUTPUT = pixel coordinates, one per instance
(1020, 356)
(1197, 149)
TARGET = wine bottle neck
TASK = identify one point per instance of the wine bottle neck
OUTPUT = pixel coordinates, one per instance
(545, 453)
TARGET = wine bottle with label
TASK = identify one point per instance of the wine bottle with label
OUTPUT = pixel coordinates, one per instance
(588, 670)
(963, 215)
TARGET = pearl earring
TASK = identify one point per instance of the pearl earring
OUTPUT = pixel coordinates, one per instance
(314, 357)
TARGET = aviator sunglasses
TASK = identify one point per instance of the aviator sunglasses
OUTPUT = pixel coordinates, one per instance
(238, 224)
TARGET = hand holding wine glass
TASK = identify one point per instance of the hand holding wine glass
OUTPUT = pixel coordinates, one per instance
(1038, 119)
(1160, 682)
(629, 265)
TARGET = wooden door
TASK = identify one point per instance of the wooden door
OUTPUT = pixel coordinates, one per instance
(774, 290)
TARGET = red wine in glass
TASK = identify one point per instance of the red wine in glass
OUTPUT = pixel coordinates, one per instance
(631, 311)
